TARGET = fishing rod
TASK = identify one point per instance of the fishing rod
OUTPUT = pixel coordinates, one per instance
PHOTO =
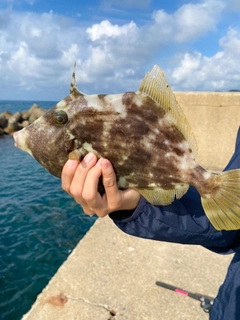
(206, 302)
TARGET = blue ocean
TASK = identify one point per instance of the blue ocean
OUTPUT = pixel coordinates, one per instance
(39, 224)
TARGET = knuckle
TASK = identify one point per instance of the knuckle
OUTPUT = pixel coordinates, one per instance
(87, 195)
(94, 173)
(87, 211)
(109, 182)
(75, 192)
(65, 187)
(102, 213)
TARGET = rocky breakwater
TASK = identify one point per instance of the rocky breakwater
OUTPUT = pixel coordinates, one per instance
(9, 123)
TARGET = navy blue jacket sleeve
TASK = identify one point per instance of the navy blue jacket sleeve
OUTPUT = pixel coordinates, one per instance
(184, 221)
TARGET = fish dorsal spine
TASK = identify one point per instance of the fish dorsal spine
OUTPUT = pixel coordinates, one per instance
(156, 87)
(73, 87)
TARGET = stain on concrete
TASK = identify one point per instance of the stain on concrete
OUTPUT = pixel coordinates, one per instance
(58, 301)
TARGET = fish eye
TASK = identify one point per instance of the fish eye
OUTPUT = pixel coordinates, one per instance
(60, 117)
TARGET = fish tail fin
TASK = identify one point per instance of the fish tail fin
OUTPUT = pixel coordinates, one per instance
(223, 207)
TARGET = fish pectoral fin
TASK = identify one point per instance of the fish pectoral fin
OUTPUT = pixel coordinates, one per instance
(163, 197)
(223, 208)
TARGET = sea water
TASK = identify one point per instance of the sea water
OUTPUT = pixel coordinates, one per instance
(40, 224)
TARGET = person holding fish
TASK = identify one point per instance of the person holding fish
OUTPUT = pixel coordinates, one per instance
(183, 221)
(147, 138)
(139, 146)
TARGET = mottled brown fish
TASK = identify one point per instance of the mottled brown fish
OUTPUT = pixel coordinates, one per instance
(146, 137)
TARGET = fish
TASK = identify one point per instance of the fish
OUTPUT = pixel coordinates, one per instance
(147, 138)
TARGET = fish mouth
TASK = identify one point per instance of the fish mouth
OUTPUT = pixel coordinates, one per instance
(16, 140)
(20, 138)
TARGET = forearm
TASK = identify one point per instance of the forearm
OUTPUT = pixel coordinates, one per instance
(184, 221)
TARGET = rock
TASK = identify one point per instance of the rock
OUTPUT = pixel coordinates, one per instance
(13, 126)
(40, 111)
(3, 121)
(33, 107)
(17, 116)
(25, 115)
(7, 114)
(25, 123)
(9, 123)
(35, 114)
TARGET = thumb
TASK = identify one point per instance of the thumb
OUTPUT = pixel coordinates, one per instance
(116, 199)
(108, 177)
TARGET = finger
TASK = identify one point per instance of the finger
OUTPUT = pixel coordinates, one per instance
(80, 175)
(90, 212)
(110, 184)
(68, 174)
(116, 199)
(90, 192)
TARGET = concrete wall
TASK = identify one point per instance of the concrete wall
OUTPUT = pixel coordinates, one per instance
(215, 119)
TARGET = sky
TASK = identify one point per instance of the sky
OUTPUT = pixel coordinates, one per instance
(115, 43)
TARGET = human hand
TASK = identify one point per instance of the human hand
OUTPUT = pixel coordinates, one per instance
(80, 180)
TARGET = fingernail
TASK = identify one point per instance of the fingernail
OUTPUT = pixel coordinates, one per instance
(105, 164)
(98, 164)
(89, 157)
(72, 163)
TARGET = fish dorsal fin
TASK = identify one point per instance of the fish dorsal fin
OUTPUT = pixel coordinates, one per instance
(156, 87)
(73, 87)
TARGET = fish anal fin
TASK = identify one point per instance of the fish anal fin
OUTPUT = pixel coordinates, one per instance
(73, 87)
(223, 208)
(163, 197)
(156, 87)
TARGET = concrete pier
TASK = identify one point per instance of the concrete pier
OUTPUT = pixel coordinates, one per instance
(110, 275)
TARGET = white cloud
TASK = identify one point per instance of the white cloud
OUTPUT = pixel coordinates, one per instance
(189, 22)
(37, 52)
(219, 72)
(106, 29)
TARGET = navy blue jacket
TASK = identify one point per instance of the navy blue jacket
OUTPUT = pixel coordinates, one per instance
(184, 221)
